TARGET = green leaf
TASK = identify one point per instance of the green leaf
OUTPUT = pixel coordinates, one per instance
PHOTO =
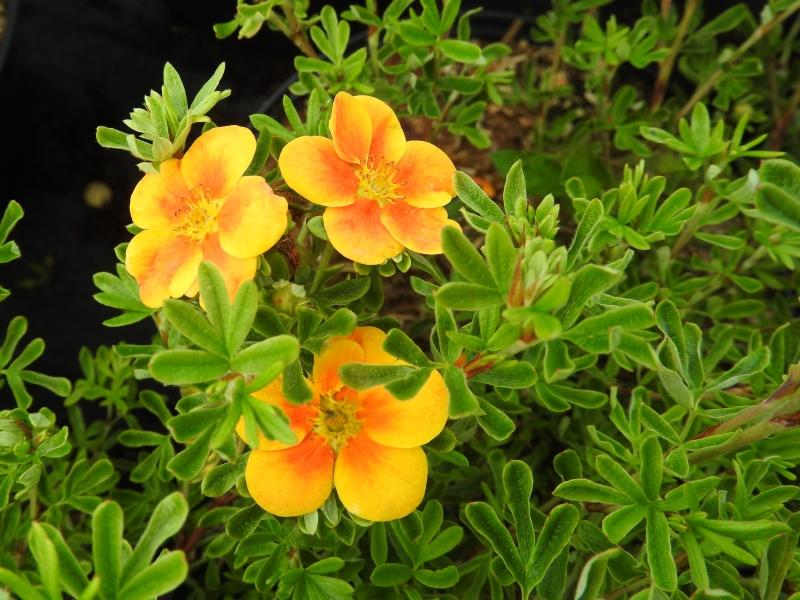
(222, 478)
(439, 578)
(592, 215)
(553, 539)
(620, 522)
(659, 551)
(243, 313)
(390, 574)
(362, 376)
(494, 421)
(511, 374)
(165, 521)
(515, 194)
(191, 324)
(593, 575)
(464, 257)
(243, 522)
(294, 385)
(652, 467)
(183, 367)
(44, 553)
(188, 463)
(746, 530)
(273, 353)
(467, 296)
(164, 575)
(485, 521)
(476, 199)
(214, 295)
(18, 585)
(107, 525)
(585, 490)
(746, 367)
(613, 473)
(462, 401)
(399, 345)
(778, 206)
(460, 51)
(344, 292)
(73, 579)
(518, 486)
(630, 318)
(501, 256)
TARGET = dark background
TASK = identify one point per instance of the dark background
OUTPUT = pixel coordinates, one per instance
(82, 63)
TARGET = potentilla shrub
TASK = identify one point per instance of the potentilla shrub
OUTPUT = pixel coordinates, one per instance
(465, 318)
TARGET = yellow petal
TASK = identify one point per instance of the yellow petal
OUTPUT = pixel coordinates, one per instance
(379, 483)
(291, 482)
(300, 416)
(326, 366)
(425, 175)
(357, 233)
(371, 340)
(351, 128)
(218, 159)
(252, 219)
(311, 167)
(158, 197)
(405, 423)
(418, 229)
(388, 139)
(235, 271)
(163, 264)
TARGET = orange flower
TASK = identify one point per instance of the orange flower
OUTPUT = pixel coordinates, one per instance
(365, 444)
(382, 193)
(200, 208)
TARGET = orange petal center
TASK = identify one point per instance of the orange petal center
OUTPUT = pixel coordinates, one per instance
(198, 214)
(336, 420)
(376, 181)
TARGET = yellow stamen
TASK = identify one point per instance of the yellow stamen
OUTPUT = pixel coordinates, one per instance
(376, 182)
(199, 214)
(336, 420)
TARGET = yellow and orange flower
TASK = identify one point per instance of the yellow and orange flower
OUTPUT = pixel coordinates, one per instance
(365, 444)
(383, 194)
(202, 207)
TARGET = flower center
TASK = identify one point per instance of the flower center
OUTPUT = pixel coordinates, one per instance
(376, 182)
(336, 420)
(199, 215)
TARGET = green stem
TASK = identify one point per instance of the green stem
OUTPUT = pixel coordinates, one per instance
(322, 267)
(748, 436)
(755, 37)
(665, 70)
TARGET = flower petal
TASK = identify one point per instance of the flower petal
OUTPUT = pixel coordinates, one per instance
(311, 167)
(357, 233)
(336, 353)
(405, 423)
(300, 416)
(235, 271)
(418, 229)
(388, 139)
(294, 481)
(158, 197)
(163, 264)
(379, 483)
(252, 219)
(371, 340)
(218, 159)
(351, 128)
(425, 175)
